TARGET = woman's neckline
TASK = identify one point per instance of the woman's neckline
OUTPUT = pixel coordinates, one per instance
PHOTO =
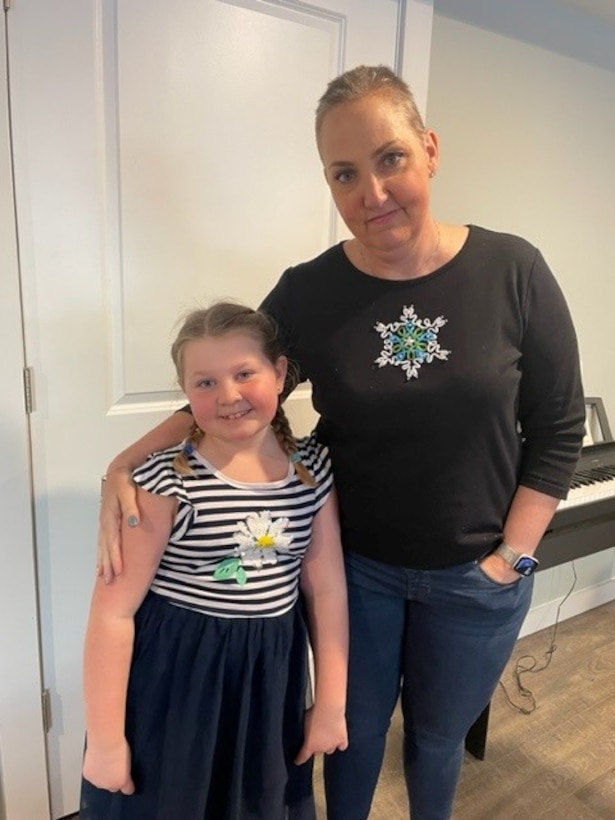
(455, 248)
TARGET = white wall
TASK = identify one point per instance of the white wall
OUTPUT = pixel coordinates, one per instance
(527, 122)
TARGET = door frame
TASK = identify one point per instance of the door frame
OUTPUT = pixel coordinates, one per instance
(23, 764)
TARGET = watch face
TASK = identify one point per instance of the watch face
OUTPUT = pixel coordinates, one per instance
(525, 565)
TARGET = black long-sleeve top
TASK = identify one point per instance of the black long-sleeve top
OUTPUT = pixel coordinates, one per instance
(437, 396)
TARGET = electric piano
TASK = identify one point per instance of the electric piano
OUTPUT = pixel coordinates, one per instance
(583, 523)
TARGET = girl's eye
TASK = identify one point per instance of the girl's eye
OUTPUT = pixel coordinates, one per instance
(245, 374)
(205, 383)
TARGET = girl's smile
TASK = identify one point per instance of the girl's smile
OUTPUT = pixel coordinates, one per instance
(233, 389)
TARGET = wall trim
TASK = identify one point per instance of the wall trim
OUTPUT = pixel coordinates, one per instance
(543, 616)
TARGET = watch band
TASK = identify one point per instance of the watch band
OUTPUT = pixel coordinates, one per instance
(508, 553)
(519, 561)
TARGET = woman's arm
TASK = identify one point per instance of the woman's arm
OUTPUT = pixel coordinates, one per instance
(551, 415)
(109, 644)
(119, 500)
(529, 516)
(323, 583)
(551, 401)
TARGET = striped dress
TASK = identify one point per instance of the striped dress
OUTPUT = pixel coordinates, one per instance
(217, 686)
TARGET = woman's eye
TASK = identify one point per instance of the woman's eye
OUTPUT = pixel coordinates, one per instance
(392, 159)
(344, 176)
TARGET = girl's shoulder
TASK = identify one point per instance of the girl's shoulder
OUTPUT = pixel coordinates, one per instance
(158, 474)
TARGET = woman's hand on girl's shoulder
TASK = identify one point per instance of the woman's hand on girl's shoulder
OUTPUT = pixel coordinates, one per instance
(325, 733)
(118, 500)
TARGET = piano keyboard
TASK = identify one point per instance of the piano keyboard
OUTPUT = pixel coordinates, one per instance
(594, 478)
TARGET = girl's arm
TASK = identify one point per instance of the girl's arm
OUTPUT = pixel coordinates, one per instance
(529, 516)
(109, 644)
(323, 583)
(119, 501)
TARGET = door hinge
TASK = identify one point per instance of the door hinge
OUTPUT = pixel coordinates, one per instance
(28, 389)
(46, 701)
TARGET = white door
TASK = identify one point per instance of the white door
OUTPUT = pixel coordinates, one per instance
(163, 156)
(23, 782)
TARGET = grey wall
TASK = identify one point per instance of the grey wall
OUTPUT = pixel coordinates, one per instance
(526, 115)
(527, 146)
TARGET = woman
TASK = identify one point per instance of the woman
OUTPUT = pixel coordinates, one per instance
(445, 369)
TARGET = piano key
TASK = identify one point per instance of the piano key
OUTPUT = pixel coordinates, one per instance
(594, 478)
(588, 493)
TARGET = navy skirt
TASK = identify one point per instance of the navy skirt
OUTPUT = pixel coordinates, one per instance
(215, 713)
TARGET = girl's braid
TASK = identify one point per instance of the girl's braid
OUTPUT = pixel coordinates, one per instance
(180, 462)
(288, 443)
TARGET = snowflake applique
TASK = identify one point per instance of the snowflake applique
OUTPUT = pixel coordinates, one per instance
(410, 342)
(259, 541)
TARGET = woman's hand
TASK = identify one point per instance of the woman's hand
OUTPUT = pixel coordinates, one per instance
(498, 569)
(118, 500)
(109, 768)
(325, 732)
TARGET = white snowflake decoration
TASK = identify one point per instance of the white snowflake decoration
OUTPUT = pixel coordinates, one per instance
(410, 342)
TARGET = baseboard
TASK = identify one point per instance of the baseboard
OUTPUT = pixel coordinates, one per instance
(544, 615)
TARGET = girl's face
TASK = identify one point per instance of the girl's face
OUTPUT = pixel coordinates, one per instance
(378, 170)
(232, 387)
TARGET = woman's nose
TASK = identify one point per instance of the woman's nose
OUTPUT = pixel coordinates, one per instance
(374, 192)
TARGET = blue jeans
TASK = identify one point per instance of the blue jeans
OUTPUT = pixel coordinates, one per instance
(442, 636)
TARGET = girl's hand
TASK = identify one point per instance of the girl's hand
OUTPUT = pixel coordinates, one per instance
(118, 501)
(325, 733)
(109, 768)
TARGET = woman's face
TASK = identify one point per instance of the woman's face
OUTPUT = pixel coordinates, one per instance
(378, 170)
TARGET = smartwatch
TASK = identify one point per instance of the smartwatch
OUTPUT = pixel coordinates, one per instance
(520, 562)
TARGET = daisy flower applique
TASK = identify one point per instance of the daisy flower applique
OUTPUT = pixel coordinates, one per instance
(260, 539)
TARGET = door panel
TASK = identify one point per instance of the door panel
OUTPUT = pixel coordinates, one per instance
(164, 157)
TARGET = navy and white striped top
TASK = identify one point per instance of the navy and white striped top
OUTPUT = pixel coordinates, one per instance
(235, 548)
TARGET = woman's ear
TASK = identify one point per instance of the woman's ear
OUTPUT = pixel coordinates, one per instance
(432, 149)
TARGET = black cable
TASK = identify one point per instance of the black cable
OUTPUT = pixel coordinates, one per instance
(532, 665)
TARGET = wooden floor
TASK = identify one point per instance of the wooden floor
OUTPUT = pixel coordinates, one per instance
(557, 763)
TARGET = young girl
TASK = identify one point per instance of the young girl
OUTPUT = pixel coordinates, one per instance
(196, 656)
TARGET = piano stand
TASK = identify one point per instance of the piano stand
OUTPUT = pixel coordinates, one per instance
(574, 532)
(476, 739)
